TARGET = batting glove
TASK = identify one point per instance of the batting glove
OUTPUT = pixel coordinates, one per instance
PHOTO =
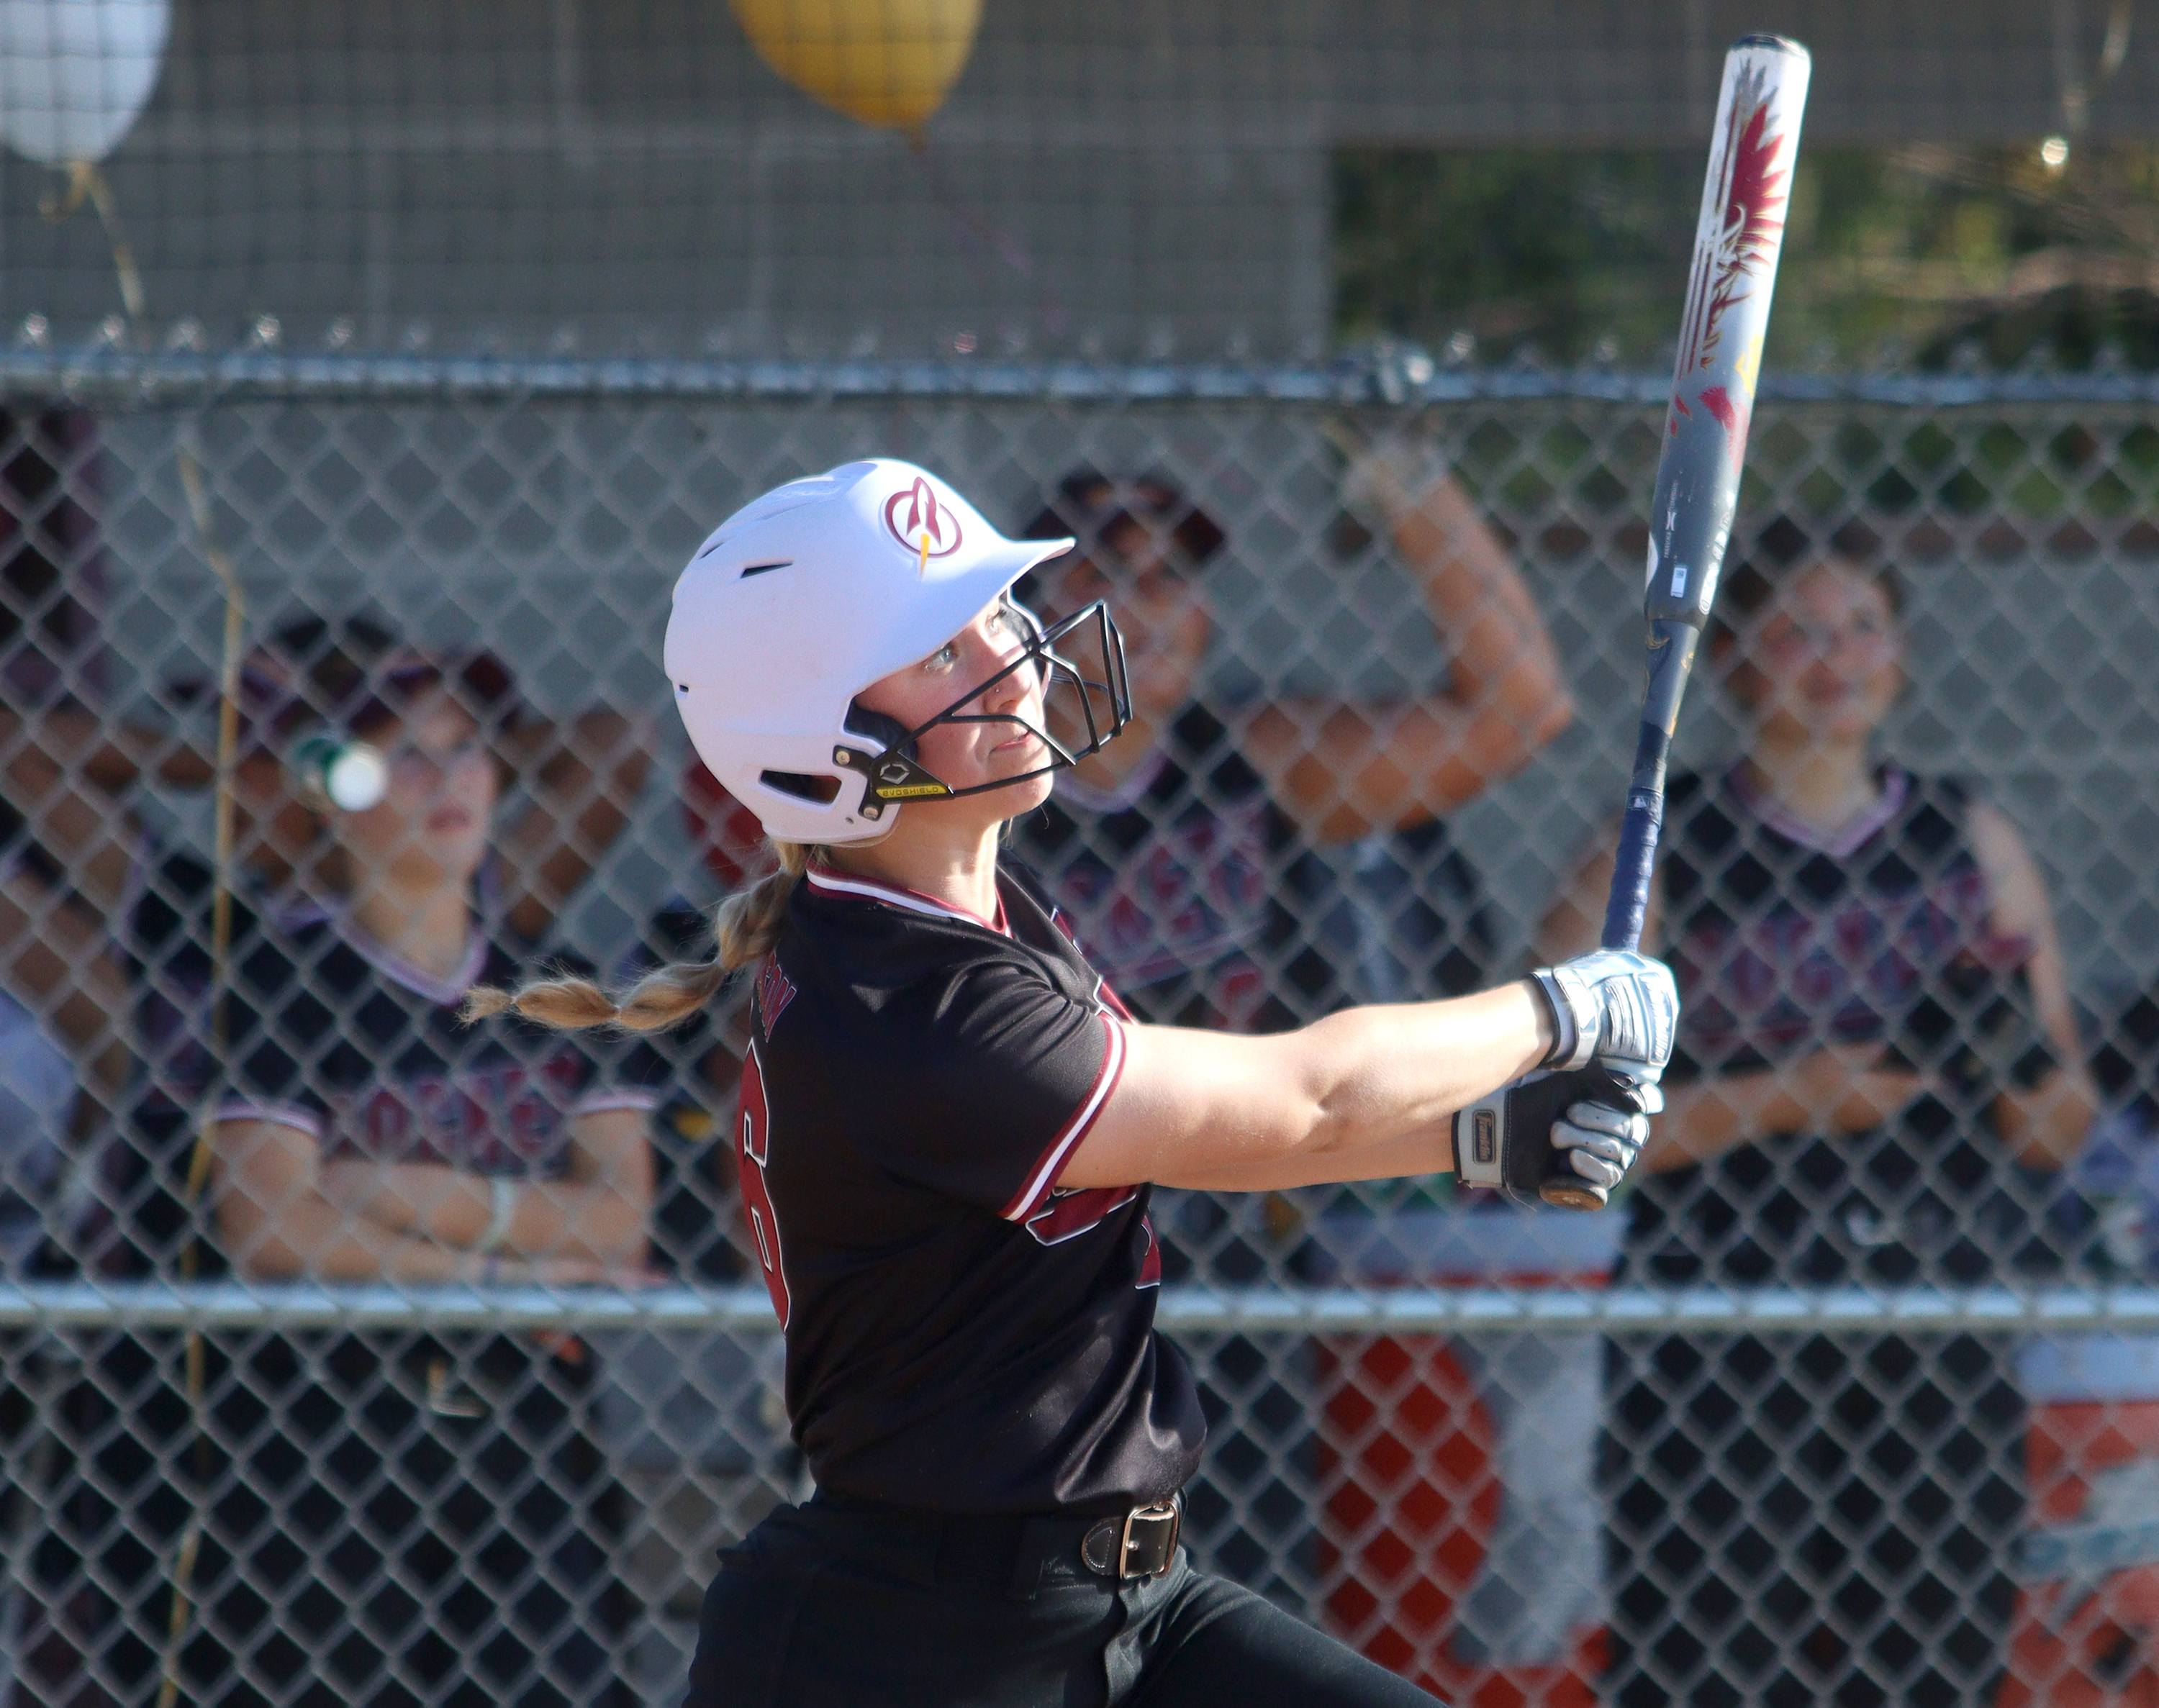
(1600, 1141)
(1614, 1007)
(1565, 1138)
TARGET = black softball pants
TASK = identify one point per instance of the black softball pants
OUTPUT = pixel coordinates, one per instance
(825, 1608)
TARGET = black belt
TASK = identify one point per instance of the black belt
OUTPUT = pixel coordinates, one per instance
(1002, 1552)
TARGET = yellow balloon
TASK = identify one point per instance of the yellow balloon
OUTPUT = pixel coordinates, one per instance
(886, 62)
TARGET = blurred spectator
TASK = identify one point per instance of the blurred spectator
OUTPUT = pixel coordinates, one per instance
(63, 1049)
(1878, 1072)
(63, 1054)
(1182, 850)
(72, 773)
(132, 1419)
(367, 1135)
(57, 990)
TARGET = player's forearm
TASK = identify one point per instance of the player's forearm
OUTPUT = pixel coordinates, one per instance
(1356, 1095)
(1377, 1077)
(1427, 1152)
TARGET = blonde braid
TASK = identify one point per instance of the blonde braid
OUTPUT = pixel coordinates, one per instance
(748, 924)
(745, 927)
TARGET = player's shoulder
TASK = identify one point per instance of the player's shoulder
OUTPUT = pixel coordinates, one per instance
(1028, 898)
(874, 949)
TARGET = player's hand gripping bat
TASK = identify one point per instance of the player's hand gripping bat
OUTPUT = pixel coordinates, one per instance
(1736, 246)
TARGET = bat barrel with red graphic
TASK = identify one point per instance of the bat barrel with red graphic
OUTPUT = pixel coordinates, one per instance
(1737, 243)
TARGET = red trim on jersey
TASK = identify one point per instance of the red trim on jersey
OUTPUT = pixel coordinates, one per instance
(1042, 1176)
(893, 895)
(1066, 1215)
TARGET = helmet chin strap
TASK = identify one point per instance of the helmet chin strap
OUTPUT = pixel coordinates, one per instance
(896, 777)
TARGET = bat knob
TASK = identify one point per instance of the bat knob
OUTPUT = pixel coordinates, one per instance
(1573, 1195)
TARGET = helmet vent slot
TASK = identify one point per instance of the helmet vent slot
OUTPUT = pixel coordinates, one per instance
(751, 569)
(803, 785)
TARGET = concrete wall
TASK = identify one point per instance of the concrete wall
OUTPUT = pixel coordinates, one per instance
(1140, 179)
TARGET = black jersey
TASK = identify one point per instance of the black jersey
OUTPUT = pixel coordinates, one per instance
(961, 1335)
(1784, 941)
(334, 1035)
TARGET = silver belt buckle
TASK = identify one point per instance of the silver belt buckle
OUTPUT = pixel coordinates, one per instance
(1172, 1510)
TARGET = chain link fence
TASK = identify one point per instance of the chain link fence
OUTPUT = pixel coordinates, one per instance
(1865, 1415)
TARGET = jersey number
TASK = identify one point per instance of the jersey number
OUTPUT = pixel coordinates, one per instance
(754, 1138)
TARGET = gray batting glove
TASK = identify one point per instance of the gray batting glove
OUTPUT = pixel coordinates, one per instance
(1614, 1007)
(1599, 1142)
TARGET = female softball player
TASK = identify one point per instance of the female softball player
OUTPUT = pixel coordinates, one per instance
(949, 1127)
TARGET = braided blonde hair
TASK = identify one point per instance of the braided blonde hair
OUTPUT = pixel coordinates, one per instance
(744, 927)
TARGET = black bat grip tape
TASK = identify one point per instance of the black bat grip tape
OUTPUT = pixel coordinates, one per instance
(1633, 866)
(1672, 659)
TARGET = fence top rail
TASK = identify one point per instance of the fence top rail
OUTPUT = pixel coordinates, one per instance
(115, 376)
(239, 1305)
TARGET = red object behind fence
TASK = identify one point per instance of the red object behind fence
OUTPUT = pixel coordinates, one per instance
(1461, 1541)
(2087, 1630)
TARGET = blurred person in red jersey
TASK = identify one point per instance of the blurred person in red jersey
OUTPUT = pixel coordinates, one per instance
(1878, 1078)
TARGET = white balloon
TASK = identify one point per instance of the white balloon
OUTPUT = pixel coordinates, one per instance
(75, 75)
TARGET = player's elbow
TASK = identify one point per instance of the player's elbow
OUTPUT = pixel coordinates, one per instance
(1514, 731)
(1319, 1107)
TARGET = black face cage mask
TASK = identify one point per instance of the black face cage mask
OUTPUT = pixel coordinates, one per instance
(1094, 683)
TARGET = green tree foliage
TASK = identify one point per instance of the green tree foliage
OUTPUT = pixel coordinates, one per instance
(1925, 256)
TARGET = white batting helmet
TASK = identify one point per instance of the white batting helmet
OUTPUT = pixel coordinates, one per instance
(807, 595)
